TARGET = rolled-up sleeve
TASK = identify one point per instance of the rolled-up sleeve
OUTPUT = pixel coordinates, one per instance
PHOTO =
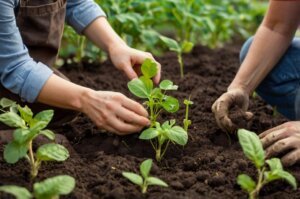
(19, 73)
(80, 13)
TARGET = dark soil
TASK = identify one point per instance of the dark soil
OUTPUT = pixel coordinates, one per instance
(206, 168)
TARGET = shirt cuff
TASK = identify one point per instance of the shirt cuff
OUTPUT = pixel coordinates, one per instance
(35, 81)
(86, 15)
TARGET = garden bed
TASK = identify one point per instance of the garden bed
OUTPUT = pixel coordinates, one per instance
(206, 167)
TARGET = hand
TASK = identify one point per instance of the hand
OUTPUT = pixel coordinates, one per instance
(114, 112)
(222, 105)
(129, 60)
(283, 139)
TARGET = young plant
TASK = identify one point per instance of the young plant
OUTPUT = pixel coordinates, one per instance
(186, 121)
(184, 47)
(28, 127)
(157, 100)
(144, 180)
(163, 135)
(268, 170)
(50, 188)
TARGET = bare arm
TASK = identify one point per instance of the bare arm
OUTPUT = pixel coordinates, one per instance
(270, 42)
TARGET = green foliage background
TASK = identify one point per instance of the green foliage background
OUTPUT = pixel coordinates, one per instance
(141, 22)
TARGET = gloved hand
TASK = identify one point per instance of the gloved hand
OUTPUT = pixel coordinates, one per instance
(283, 139)
(223, 104)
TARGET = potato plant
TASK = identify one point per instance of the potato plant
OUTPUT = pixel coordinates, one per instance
(28, 127)
(51, 188)
(156, 101)
(267, 170)
(144, 180)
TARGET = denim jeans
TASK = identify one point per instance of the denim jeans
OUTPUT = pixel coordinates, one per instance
(281, 87)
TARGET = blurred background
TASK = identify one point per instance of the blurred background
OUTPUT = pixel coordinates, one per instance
(159, 26)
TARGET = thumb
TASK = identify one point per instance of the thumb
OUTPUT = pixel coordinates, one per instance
(129, 72)
(248, 115)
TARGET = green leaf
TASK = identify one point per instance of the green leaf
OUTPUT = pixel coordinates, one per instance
(167, 85)
(48, 133)
(145, 168)
(187, 46)
(280, 174)
(246, 182)
(138, 88)
(52, 152)
(170, 104)
(42, 119)
(148, 84)
(18, 192)
(22, 135)
(149, 68)
(134, 178)
(12, 119)
(54, 187)
(274, 164)
(26, 113)
(149, 134)
(4, 102)
(156, 181)
(252, 147)
(14, 151)
(171, 43)
(178, 135)
(156, 93)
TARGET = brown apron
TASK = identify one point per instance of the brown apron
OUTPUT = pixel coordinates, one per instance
(41, 24)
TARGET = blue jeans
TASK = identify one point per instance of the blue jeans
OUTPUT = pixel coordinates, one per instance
(281, 87)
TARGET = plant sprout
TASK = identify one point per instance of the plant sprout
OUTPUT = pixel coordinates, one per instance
(184, 47)
(28, 127)
(186, 121)
(268, 170)
(144, 180)
(50, 188)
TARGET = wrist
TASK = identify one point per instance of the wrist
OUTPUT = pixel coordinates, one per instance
(241, 87)
(81, 99)
(111, 46)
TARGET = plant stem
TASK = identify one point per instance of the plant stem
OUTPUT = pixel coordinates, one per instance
(144, 187)
(34, 169)
(261, 182)
(179, 55)
(158, 152)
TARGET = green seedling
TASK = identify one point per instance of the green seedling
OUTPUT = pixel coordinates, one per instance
(163, 135)
(28, 127)
(174, 46)
(157, 100)
(144, 180)
(186, 121)
(268, 170)
(50, 188)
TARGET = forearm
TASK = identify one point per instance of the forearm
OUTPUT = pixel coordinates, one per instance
(61, 93)
(101, 34)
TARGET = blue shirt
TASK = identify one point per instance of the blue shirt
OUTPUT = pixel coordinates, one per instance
(19, 73)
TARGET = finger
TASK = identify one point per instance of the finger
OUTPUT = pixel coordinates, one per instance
(129, 71)
(134, 107)
(131, 117)
(273, 137)
(280, 147)
(248, 115)
(291, 158)
(157, 77)
(123, 128)
(269, 131)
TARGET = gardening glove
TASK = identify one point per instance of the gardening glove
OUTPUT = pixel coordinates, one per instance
(223, 104)
(129, 61)
(283, 140)
(114, 112)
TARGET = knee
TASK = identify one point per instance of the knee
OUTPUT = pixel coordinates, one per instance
(245, 49)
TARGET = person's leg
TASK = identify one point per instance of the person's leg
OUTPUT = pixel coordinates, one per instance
(281, 85)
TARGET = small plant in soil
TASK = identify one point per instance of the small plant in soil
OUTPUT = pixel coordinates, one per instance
(157, 100)
(179, 48)
(28, 127)
(267, 170)
(186, 121)
(50, 188)
(144, 180)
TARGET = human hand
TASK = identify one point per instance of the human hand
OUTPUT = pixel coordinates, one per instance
(129, 60)
(114, 112)
(284, 139)
(223, 104)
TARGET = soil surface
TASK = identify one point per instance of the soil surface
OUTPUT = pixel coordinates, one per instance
(207, 167)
